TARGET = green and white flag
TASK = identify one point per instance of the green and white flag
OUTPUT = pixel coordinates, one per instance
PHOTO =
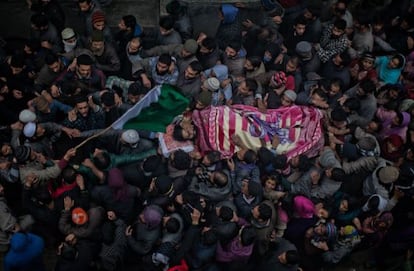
(154, 111)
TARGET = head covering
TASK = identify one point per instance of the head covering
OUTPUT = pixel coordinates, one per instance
(331, 231)
(152, 215)
(84, 59)
(350, 151)
(41, 104)
(191, 46)
(254, 188)
(108, 98)
(24, 247)
(350, 231)
(212, 84)
(67, 33)
(22, 153)
(98, 16)
(385, 218)
(290, 94)
(174, 8)
(388, 174)
(313, 76)
(304, 50)
(164, 184)
(279, 78)
(29, 129)
(26, 116)
(79, 216)
(205, 98)
(117, 184)
(97, 35)
(130, 136)
(303, 207)
(368, 56)
(367, 143)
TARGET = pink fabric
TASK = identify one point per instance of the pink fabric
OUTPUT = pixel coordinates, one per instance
(216, 125)
(303, 207)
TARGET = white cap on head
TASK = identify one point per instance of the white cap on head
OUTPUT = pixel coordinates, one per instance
(29, 129)
(26, 116)
(130, 136)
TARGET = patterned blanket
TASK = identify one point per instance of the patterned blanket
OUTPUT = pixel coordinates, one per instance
(298, 128)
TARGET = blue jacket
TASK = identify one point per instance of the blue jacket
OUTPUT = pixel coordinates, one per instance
(25, 253)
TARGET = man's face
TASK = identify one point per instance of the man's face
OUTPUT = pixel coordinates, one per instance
(336, 33)
(393, 63)
(40, 131)
(134, 98)
(162, 68)
(121, 25)
(290, 67)
(165, 32)
(16, 70)
(337, 60)
(99, 25)
(84, 70)
(361, 93)
(189, 73)
(134, 46)
(230, 52)
(204, 50)
(84, 6)
(55, 66)
(300, 29)
(255, 212)
(245, 187)
(367, 64)
(184, 53)
(282, 258)
(248, 66)
(243, 89)
(83, 108)
(97, 46)
(17, 94)
(308, 15)
(372, 127)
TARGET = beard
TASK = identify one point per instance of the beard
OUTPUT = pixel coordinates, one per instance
(98, 52)
(162, 73)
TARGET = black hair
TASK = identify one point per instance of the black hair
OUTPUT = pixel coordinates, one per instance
(401, 60)
(235, 45)
(292, 257)
(17, 61)
(225, 213)
(251, 84)
(209, 237)
(51, 58)
(83, 1)
(182, 160)
(279, 161)
(167, 22)
(220, 178)
(255, 60)
(178, 133)
(367, 85)
(172, 225)
(346, 58)
(137, 88)
(315, 10)
(39, 20)
(353, 103)
(392, 105)
(69, 175)
(102, 160)
(250, 157)
(196, 66)
(338, 174)
(265, 212)
(209, 43)
(337, 81)
(340, 24)
(165, 59)
(304, 163)
(130, 21)
(248, 236)
(42, 194)
(151, 163)
(84, 59)
(320, 93)
(213, 156)
(300, 19)
(338, 114)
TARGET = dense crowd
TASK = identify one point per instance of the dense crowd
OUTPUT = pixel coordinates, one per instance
(184, 193)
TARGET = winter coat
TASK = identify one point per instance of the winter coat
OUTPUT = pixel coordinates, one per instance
(95, 218)
(271, 262)
(111, 254)
(210, 191)
(25, 253)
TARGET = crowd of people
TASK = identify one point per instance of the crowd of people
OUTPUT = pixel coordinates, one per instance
(242, 179)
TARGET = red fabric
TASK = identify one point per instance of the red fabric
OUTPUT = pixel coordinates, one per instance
(61, 189)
